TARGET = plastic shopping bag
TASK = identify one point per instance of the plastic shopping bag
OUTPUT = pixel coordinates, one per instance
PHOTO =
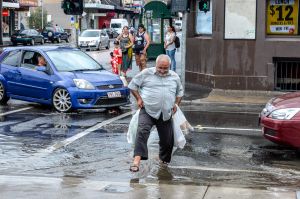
(132, 129)
(184, 124)
(181, 127)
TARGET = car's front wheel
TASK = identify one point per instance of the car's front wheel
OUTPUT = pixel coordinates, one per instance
(3, 96)
(61, 100)
(58, 40)
(32, 42)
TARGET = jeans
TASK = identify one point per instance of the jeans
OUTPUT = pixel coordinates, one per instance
(171, 54)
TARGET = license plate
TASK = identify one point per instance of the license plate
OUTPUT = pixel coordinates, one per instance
(114, 94)
(18, 36)
(83, 44)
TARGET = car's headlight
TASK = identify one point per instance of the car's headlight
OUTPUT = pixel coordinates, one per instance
(284, 114)
(83, 84)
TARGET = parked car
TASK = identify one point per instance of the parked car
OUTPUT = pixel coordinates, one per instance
(55, 34)
(94, 39)
(112, 33)
(29, 36)
(70, 80)
(280, 120)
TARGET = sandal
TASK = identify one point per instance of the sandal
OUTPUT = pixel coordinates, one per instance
(134, 168)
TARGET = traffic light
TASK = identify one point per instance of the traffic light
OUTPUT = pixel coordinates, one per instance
(72, 7)
(204, 5)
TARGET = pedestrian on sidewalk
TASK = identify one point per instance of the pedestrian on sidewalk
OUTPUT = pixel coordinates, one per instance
(141, 44)
(170, 46)
(116, 60)
(126, 43)
(157, 91)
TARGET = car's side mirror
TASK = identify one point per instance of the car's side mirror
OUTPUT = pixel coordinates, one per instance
(41, 69)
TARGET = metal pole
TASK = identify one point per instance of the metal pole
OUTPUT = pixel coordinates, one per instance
(42, 15)
(76, 29)
(183, 44)
(1, 21)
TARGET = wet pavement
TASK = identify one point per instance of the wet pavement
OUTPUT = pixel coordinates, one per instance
(225, 151)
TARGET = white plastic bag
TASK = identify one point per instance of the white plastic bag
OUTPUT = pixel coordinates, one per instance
(184, 124)
(132, 129)
(181, 127)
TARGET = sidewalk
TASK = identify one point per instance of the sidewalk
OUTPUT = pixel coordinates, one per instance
(201, 96)
(73, 188)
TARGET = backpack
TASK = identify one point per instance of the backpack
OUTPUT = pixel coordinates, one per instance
(177, 42)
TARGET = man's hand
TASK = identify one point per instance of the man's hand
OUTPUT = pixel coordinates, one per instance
(140, 103)
(174, 109)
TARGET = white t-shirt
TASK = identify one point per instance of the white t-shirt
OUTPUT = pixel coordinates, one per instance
(170, 38)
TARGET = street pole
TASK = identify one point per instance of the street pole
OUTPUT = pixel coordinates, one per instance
(1, 21)
(42, 15)
(76, 30)
(183, 44)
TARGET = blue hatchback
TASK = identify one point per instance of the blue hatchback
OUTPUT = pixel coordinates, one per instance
(63, 77)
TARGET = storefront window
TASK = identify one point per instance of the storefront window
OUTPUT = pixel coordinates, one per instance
(240, 19)
(204, 17)
(282, 17)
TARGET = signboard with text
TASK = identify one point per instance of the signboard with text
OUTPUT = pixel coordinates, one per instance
(282, 17)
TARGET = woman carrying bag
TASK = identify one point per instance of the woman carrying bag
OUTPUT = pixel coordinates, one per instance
(126, 42)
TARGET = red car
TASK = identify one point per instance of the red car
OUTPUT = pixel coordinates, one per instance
(280, 120)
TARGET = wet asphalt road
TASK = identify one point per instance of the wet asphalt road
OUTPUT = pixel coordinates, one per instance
(211, 157)
(226, 148)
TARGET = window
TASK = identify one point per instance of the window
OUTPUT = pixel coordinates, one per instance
(13, 58)
(240, 19)
(77, 60)
(282, 17)
(30, 59)
(204, 17)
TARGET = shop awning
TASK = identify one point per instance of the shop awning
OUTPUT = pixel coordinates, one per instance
(99, 6)
(10, 5)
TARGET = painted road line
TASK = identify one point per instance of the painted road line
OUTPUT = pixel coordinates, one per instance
(199, 127)
(219, 169)
(15, 111)
(84, 133)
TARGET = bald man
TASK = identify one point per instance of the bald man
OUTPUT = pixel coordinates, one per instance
(157, 91)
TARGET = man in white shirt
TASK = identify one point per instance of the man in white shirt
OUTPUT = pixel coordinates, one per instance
(157, 91)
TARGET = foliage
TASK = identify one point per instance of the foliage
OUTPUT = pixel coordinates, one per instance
(35, 19)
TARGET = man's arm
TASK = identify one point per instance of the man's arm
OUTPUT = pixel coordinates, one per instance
(138, 98)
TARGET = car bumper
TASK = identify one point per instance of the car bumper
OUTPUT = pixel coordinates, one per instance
(285, 132)
(97, 98)
(89, 47)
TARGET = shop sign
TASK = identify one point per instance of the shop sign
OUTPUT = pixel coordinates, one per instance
(282, 17)
(5, 13)
(29, 3)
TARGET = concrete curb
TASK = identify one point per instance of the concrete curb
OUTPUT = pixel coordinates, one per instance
(224, 106)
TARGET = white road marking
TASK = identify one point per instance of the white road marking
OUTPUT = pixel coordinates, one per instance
(219, 169)
(15, 111)
(199, 127)
(84, 133)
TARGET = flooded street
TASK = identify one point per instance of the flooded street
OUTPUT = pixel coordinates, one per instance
(212, 156)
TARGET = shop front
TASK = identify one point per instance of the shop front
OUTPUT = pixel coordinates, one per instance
(244, 45)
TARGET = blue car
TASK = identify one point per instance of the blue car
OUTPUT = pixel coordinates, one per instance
(63, 77)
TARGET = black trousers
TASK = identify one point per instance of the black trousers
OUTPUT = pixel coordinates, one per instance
(165, 133)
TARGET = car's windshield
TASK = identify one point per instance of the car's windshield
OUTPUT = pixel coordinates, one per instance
(72, 60)
(115, 25)
(90, 34)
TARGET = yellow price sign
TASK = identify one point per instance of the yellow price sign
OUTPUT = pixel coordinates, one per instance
(282, 17)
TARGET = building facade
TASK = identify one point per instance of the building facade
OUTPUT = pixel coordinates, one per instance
(244, 45)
